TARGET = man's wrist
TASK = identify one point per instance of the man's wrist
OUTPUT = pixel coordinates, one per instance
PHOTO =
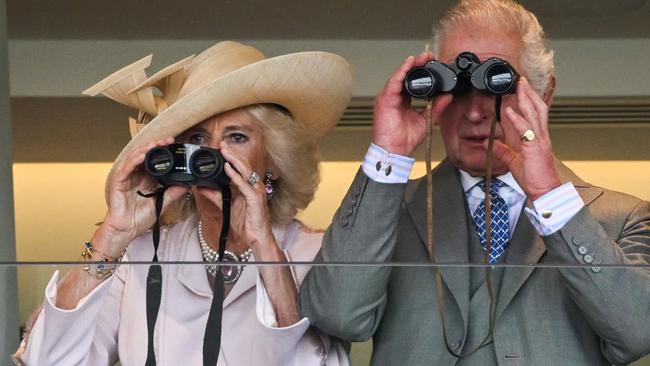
(394, 149)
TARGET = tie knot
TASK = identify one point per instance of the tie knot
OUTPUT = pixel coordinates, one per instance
(495, 185)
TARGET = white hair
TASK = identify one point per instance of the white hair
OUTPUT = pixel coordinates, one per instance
(536, 58)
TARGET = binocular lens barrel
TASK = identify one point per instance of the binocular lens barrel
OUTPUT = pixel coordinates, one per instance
(187, 164)
(159, 161)
(493, 76)
(419, 82)
(499, 79)
(204, 163)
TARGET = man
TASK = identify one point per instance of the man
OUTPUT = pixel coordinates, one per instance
(578, 314)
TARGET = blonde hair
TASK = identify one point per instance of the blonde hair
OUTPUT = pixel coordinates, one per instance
(536, 58)
(292, 153)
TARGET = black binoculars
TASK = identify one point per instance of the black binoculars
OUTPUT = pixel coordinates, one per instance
(187, 164)
(493, 76)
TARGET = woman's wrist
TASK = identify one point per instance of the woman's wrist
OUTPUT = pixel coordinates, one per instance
(110, 241)
(267, 250)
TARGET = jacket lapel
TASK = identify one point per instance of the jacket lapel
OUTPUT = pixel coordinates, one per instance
(450, 233)
(527, 246)
(246, 281)
(192, 276)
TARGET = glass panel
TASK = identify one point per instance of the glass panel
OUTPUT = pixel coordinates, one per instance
(541, 311)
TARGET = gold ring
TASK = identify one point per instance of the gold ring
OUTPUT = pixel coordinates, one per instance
(528, 136)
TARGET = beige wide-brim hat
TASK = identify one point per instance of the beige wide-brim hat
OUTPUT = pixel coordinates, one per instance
(315, 87)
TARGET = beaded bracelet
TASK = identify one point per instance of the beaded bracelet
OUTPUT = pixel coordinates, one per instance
(102, 268)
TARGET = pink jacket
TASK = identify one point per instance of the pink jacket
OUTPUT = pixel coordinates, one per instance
(110, 323)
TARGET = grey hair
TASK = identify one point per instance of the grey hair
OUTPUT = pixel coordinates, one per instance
(536, 57)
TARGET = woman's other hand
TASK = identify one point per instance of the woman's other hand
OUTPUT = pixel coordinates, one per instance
(250, 218)
(129, 214)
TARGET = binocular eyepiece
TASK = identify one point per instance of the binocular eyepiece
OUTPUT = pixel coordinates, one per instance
(183, 164)
(493, 76)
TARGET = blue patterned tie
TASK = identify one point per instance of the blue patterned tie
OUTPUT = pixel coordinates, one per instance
(499, 224)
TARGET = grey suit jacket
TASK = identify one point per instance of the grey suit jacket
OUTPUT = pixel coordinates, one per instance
(544, 316)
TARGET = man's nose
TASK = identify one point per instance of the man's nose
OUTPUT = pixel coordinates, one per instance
(480, 107)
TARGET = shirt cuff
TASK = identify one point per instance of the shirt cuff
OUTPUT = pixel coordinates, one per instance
(554, 209)
(266, 313)
(384, 167)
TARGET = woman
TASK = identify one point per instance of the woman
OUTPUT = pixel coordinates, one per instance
(265, 116)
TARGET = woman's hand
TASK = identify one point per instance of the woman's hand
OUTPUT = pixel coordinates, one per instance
(129, 214)
(252, 223)
(250, 219)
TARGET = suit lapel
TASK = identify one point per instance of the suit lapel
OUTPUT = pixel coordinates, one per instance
(525, 248)
(449, 228)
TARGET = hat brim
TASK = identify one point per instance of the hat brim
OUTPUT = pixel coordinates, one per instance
(315, 87)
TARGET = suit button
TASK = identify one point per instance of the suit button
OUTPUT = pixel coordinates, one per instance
(349, 211)
(582, 250)
(343, 221)
(588, 258)
(576, 240)
(353, 199)
(596, 269)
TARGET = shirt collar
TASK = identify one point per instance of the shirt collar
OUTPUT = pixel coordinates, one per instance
(468, 182)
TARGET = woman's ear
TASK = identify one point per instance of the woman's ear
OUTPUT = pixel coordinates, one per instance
(550, 91)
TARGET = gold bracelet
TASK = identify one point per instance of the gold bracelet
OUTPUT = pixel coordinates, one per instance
(102, 268)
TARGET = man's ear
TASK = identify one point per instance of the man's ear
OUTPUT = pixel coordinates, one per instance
(550, 91)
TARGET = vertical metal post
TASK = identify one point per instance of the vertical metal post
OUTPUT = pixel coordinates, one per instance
(8, 288)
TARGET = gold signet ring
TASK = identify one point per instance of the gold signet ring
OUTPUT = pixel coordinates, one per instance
(528, 136)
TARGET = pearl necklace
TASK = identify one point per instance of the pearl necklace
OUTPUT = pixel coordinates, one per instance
(230, 273)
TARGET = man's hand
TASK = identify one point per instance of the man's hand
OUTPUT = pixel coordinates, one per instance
(531, 162)
(399, 128)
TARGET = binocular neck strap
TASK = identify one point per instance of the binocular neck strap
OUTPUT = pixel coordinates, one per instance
(489, 337)
(154, 277)
(212, 337)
